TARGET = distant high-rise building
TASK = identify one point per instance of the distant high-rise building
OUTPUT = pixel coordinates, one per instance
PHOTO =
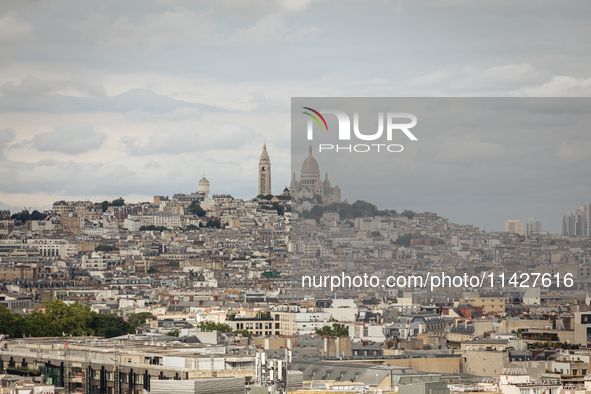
(570, 222)
(532, 226)
(514, 226)
(576, 221)
(265, 173)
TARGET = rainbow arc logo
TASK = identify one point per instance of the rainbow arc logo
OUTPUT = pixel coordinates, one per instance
(315, 118)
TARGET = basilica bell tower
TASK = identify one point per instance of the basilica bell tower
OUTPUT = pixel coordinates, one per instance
(265, 173)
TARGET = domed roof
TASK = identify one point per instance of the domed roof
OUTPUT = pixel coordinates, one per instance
(294, 183)
(203, 181)
(310, 166)
(265, 155)
(326, 181)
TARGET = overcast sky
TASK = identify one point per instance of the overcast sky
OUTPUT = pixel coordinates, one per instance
(139, 98)
(477, 161)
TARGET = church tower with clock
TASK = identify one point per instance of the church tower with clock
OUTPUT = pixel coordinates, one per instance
(265, 173)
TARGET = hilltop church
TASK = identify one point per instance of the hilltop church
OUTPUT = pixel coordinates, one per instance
(310, 183)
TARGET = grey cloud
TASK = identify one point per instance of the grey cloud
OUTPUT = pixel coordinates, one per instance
(477, 161)
(14, 30)
(176, 115)
(72, 139)
(156, 31)
(266, 104)
(134, 99)
(6, 136)
(472, 79)
(173, 142)
(70, 178)
(235, 174)
(33, 86)
(30, 86)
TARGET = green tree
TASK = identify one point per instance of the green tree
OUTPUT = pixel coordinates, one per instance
(109, 325)
(403, 240)
(279, 208)
(244, 333)
(214, 224)
(11, 324)
(106, 248)
(153, 270)
(137, 319)
(376, 234)
(25, 216)
(271, 274)
(409, 214)
(174, 333)
(60, 318)
(36, 215)
(314, 213)
(213, 326)
(153, 228)
(196, 209)
(119, 202)
(335, 331)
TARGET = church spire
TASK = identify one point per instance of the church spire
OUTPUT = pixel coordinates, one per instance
(265, 172)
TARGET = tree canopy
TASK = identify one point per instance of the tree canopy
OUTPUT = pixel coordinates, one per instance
(153, 228)
(106, 248)
(358, 209)
(335, 331)
(212, 326)
(403, 240)
(137, 319)
(409, 214)
(214, 224)
(56, 318)
(25, 216)
(118, 202)
(11, 324)
(195, 208)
